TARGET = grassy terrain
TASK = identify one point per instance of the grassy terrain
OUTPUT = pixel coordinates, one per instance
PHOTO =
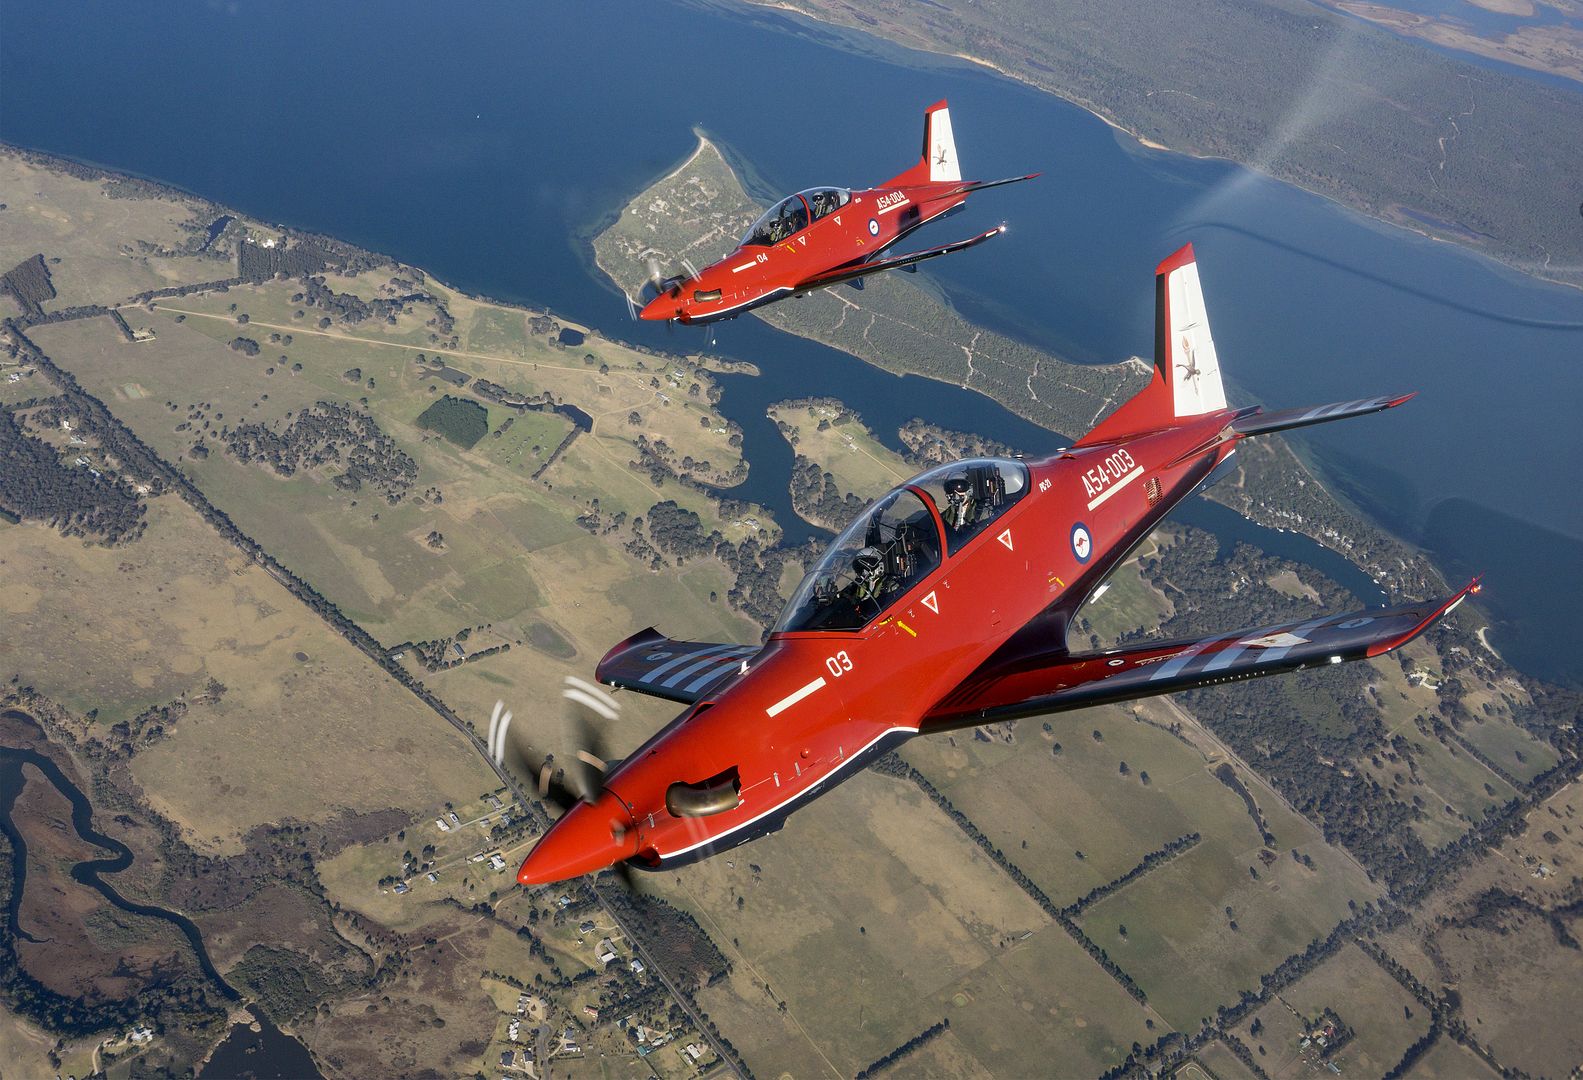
(861, 465)
(923, 925)
(501, 530)
(119, 630)
(927, 928)
(109, 248)
(698, 211)
(1366, 999)
(1179, 944)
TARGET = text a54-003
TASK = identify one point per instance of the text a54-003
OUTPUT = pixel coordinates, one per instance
(1107, 472)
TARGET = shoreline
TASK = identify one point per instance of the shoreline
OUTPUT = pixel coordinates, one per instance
(1406, 224)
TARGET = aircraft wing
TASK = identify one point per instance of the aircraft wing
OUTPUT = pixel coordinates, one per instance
(1078, 681)
(685, 671)
(899, 262)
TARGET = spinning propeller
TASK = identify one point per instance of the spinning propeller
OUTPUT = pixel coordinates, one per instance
(582, 778)
(586, 708)
(657, 282)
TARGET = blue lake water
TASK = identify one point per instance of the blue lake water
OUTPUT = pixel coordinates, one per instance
(486, 143)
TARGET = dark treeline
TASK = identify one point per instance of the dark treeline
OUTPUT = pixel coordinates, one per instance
(1158, 857)
(134, 452)
(929, 444)
(893, 765)
(879, 1064)
(255, 262)
(1226, 774)
(672, 936)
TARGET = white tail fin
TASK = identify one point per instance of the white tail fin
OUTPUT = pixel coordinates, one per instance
(1183, 348)
(1186, 370)
(939, 145)
(938, 158)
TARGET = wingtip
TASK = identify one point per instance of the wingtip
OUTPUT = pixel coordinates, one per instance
(1450, 604)
(1391, 403)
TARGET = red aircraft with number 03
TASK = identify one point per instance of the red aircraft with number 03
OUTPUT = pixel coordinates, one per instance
(827, 236)
(946, 605)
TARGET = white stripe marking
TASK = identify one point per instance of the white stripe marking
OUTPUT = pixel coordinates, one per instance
(745, 266)
(793, 698)
(895, 206)
(1123, 482)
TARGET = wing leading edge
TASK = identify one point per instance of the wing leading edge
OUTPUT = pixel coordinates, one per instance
(1079, 681)
(684, 671)
(899, 262)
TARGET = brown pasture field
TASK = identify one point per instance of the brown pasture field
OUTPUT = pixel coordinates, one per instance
(1179, 946)
(1446, 1060)
(1512, 973)
(95, 237)
(925, 926)
(125, 628)
(1214, 1062)
(1359, 991)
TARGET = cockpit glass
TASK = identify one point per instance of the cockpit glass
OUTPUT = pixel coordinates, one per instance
(887, 550)
(971, 494)
(786, 218)
(824, 201)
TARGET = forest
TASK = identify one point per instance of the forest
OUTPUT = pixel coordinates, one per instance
(35, 485)
(459, 420)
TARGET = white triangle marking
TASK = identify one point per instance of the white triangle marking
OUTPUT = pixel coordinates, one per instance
(1005, 538)
(931, 603)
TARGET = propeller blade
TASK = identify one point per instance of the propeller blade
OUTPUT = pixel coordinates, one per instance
(585, 701)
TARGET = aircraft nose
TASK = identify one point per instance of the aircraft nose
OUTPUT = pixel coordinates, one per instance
(661, 308)
(590, 837)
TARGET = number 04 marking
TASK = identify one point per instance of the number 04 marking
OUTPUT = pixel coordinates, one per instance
(839, 664)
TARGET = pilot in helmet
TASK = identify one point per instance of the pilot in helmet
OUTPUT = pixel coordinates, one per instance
(958, 501)
(868, 573)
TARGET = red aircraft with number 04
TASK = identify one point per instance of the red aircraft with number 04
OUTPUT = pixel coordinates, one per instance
(946, 605)
(827, 236)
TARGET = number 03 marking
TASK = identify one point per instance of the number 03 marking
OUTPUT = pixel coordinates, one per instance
(839, 664)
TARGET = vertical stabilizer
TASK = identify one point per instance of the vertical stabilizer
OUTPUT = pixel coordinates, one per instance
(937, 160)
(1186, 379)
(1183, 348)
(939, 145)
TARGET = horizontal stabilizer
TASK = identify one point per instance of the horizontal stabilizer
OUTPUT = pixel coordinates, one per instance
(1034, 688)
(899, 262)
(1262, 423)
(980, 185)
(684, 671)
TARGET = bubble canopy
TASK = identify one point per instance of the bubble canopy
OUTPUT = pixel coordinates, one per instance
(793, 214)
(897, 542)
